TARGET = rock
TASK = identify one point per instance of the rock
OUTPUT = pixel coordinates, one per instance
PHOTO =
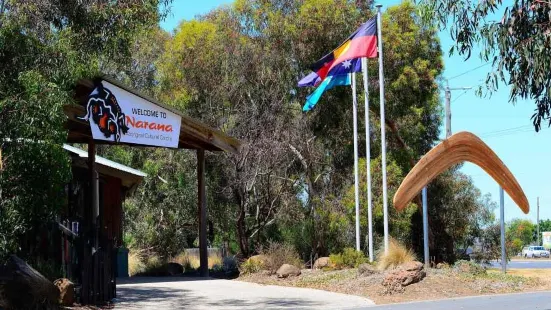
(442, 266)
(402, 276)
(321, 262)
(22, 287)
(287, 270)
(66, 291)
(174, 269)
(366, 270)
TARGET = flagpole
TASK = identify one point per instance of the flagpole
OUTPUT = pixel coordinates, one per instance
(356, 179)
(368, 158)
(383, 138)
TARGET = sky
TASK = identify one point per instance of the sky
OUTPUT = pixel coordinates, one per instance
(505, 127)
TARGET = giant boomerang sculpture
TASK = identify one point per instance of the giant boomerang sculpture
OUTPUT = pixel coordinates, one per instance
(462, 146)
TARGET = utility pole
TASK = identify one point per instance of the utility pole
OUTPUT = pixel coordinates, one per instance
(538, 221)
(448, 107)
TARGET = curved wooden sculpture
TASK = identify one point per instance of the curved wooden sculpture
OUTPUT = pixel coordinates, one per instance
(462, 146)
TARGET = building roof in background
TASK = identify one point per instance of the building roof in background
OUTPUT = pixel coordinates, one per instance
(129, 177)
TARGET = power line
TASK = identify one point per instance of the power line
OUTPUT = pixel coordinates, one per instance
(469, 71)
(505, 130)
(508, 132)
(463, 93)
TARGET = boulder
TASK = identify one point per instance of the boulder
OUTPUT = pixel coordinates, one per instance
(404, 275)
(66, 291)
(366, 270)
(287, 270)
(321, 263)
(174, 269)
(22, 287)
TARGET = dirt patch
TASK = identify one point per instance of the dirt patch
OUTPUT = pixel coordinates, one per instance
(438, 284)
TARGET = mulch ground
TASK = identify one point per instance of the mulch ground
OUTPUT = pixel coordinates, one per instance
(438, 284)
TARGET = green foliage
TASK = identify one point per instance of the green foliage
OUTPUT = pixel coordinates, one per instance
(458, 214)
(515, 246)
(490, 248)
(45, 47)
(523, 230)
(545, 225)
(349, 258)
(516, 44)
(468, 267)
(251, 266)
(161, 215)
(400, 222)
(230, 266)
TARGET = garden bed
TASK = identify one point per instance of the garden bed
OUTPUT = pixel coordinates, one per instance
(438, 284)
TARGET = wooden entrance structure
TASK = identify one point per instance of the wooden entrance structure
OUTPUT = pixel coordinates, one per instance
(193, 135)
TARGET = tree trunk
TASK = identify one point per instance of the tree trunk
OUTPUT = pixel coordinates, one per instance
(22, 287)
(242, 237)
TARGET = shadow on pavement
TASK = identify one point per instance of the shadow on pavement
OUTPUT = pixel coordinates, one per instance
(269, 303)
(142, 280)
(138, 297)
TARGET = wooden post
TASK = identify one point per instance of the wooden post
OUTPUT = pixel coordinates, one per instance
(87, 266)
(202, 205)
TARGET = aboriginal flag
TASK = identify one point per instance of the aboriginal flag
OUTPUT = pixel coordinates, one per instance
(362, 43)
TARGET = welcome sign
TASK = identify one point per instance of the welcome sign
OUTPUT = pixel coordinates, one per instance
(120, 116)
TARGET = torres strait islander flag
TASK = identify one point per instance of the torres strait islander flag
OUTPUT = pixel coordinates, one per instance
(362, 43)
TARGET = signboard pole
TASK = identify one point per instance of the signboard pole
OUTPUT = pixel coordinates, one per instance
(202, 201)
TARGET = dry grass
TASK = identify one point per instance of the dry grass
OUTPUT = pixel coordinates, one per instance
(543, 274)
(192, 260)
(135, 263)
(397, 255)
(277, 254)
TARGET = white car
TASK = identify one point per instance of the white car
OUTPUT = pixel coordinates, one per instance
(535, 251)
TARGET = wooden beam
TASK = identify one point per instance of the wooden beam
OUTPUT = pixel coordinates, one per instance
(202, 206)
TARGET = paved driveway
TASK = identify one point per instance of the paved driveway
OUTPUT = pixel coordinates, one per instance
(197, 294)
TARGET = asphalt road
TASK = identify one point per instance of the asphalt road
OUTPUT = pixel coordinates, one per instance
(521, 301)
(528, 264)
(202, 294)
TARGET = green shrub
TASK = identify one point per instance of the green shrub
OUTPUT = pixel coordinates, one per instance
(229, 264)
(153, 262)
(349, 258)
(468, 267)
(251, 266)
(154, 266)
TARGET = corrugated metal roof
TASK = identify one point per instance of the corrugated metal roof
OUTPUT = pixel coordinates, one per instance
(104, 161)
